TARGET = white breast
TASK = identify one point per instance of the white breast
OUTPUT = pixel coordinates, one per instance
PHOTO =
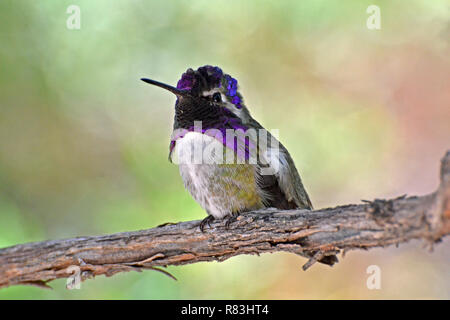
(198, 156)
(190, 155)
(198, 148)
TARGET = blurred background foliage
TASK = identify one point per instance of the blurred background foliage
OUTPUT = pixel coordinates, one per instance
(84, 143)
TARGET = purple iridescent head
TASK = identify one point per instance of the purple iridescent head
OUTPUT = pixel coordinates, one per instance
(210, 96)
(207, 81)
(206, 94)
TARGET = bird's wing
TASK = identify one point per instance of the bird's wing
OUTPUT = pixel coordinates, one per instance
(282, 182)
(280, 179)
(290, 182)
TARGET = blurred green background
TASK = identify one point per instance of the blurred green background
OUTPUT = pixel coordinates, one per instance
(84, 143)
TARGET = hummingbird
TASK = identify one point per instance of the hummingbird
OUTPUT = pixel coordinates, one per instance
(224, 190)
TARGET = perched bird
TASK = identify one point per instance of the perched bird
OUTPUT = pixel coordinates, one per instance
(208, 106)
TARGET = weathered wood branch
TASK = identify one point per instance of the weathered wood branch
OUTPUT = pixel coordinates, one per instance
(316, 233)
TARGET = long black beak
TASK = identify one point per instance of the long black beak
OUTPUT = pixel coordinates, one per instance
(178, 92)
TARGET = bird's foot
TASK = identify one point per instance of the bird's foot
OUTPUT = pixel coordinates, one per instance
(205, 221)
(230, 218)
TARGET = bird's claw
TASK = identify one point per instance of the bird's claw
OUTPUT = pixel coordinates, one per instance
(230, 218)
(207, 220)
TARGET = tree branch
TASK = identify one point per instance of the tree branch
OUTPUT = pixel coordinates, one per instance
(315, 234)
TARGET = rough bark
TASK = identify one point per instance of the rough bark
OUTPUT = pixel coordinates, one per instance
(315, 234)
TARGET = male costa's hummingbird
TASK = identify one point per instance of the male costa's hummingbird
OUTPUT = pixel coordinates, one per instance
(210, 97)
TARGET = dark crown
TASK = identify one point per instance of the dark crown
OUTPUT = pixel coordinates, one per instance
(207, 78)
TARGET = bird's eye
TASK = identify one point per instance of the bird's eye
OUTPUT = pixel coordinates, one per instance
(217, 97)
